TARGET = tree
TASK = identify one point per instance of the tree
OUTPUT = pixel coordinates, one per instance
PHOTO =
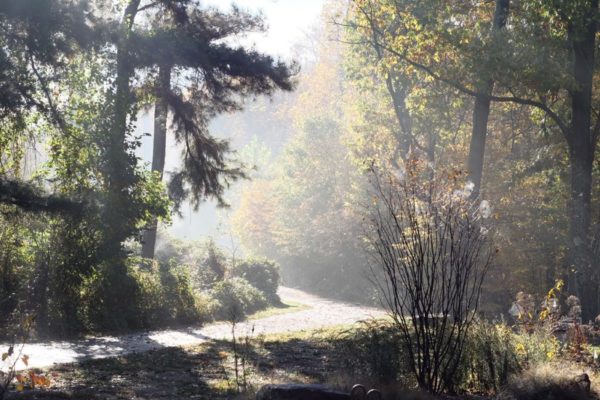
(481, 108)
(159, 147)
(424, 114)
(218, 77)
(37, 39)
(527, 72)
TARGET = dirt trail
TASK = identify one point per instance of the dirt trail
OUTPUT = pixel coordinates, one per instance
(321, 313)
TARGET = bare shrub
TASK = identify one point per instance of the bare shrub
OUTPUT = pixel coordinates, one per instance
(431, 253)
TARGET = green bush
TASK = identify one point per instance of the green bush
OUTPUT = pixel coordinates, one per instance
(263, 274)
(206, 262)
(157, 297)
(210, 267)
(180, 299)
(150, 298)
(111, 302)
(235, 298)
(15, 270)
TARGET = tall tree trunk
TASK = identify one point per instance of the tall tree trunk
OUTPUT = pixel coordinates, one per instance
(119, 171)
(581, 153)
(397, 94)
(481, 110)
(161, 109)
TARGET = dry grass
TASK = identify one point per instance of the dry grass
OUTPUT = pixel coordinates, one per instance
(552, 381)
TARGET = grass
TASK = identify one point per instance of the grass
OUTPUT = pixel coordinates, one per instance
(284, 307)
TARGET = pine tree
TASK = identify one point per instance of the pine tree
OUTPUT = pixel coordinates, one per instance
(214, 77)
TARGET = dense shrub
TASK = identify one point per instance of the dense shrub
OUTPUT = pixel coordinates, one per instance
(495, 353)
(200, 267)
(183, 304)
(206, 262)
(263, 274)
(105, 311)
(14, 271)
(158, 297)
(210, 267)
(537, 345)
(150, 303)
(489, 359)
(373, 350)
(236, 298)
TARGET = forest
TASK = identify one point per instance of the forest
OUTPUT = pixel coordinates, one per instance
(406, 199)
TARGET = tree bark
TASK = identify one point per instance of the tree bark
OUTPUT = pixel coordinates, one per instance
(161, 109)
(404, 134)
(481, 110)
(581, 152)
(32, 199)
(118, 169)
(397, 94)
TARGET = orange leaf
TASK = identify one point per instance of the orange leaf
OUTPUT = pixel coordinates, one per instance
(45, 381)
(40, 380)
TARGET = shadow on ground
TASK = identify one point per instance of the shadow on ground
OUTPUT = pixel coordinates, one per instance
(199, 372)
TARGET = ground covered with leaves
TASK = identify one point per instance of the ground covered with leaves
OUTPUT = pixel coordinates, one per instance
(205, 371)
(337, 356)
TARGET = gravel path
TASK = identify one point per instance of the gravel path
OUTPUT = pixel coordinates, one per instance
(322, 313)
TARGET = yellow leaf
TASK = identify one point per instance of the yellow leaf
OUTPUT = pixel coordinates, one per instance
(20, 387)
(4, 356)
(25, 360)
